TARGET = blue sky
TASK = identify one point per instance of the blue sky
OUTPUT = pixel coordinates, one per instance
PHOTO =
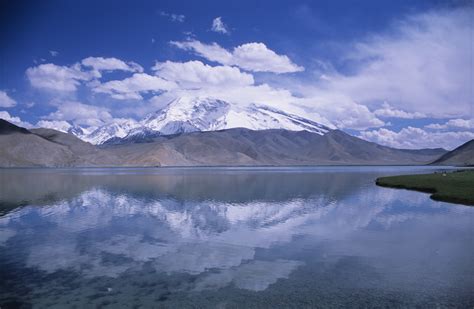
(395, 72)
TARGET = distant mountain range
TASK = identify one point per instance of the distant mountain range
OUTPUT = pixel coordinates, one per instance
(230, 147)
(184, 115)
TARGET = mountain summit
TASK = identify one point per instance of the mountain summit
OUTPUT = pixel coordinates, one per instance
(185, 115)
(206, 114)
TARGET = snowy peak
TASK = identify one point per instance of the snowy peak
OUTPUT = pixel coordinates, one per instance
(103, 133)
(261, 117)
(186, 114)
(80, 132)
(207, 114)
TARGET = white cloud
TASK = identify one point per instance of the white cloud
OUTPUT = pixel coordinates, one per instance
(177, 17)
(388, 111)
(53, 53)
(193, 74)
(436, 126)
(67, 78)
(15, 120)
(213, 52)
(110, 64)
(422, 65)
(244, 95)
(460, 123)
(250, 56)
(219, 26)
(173, 17)
(6, 100)
(131, 87)
(59, 125)
(415, 138)
(195, 79)
(341, 110)
(452, 123)
(57, 78)
(257, 57)
(81, 114)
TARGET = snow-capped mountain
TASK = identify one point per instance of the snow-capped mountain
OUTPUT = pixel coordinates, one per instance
(79, 131)
(103, 133)
(138, 135)
(206, 114)
(187, 114)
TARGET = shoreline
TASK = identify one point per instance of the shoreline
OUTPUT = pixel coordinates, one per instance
(236, 166)
(454, 187)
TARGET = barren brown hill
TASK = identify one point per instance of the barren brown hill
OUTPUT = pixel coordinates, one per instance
(20, 147)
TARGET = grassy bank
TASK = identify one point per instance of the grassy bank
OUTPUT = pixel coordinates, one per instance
(454, 187)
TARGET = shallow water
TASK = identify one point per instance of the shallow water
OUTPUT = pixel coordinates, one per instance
(229, 237)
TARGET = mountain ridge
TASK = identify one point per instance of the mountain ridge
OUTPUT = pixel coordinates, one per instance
(185, 115)
(275, 147)
(227, 147)
(462, 155)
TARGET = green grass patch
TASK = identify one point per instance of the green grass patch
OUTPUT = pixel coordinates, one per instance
(453, 187)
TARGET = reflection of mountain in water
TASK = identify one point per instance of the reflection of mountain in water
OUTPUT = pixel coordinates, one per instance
(278, 185)
(215, 231)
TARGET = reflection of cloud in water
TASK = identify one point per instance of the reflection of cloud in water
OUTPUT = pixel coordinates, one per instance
(180, 237)
(255, 275)
(101, 234)
(63, 256)
(5, 235)
(196, 258)
(134, 248)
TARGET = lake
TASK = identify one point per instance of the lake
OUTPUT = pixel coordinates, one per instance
(229, 238)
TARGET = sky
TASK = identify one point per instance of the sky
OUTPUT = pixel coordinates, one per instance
(399, 73)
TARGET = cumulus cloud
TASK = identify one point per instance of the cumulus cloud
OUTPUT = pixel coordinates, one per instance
(452, 123)
(68, 78)
(250, 56)
(53, 53)
(59, 125)
(110, 64)
(81, 114)
(219, 26)
(388, 111)
(415, 138)
(5, 100)
(196, 79)
(341, 110)
(57, 78)
(423, 64)
(13, 119)
(131, 87)
(197, 74)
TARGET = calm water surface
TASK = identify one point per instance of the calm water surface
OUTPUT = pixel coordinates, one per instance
(226, 238)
